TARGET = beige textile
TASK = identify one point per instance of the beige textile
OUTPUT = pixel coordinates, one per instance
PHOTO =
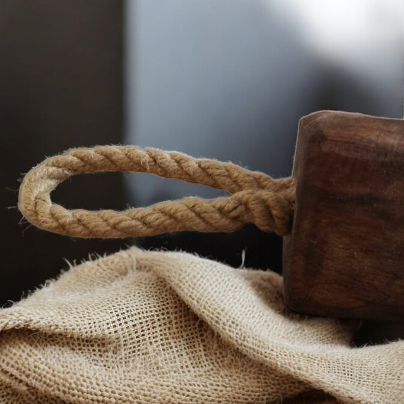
(160, 327)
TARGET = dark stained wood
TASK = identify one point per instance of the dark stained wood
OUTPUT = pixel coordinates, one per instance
(345, 255)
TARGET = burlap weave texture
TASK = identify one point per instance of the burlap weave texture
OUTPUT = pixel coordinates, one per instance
(159, 327)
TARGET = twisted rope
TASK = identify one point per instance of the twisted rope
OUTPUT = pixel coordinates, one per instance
(255, 197)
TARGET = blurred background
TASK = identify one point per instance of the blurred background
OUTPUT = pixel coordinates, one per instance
(226, 79)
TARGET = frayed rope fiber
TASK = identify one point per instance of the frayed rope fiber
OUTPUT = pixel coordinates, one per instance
(255, 197)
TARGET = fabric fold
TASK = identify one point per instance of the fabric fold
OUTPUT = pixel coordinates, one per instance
(162, 327)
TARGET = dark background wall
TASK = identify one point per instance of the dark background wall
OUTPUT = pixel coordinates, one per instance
(60, 87)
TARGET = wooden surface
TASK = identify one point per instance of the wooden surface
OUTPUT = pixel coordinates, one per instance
(345, 255)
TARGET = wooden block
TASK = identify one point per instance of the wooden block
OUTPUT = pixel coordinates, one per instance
(345, 255)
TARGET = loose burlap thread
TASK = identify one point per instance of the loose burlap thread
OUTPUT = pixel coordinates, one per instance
(170, 327)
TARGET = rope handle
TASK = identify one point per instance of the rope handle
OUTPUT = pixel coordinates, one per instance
(255, 197)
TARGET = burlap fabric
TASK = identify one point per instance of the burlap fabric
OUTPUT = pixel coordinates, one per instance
(159, 327)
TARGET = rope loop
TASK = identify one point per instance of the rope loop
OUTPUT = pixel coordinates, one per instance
(254, 197)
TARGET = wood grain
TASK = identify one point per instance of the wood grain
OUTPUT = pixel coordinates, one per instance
(345, 255)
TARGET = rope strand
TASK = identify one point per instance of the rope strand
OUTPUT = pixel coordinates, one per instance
(255, 197)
